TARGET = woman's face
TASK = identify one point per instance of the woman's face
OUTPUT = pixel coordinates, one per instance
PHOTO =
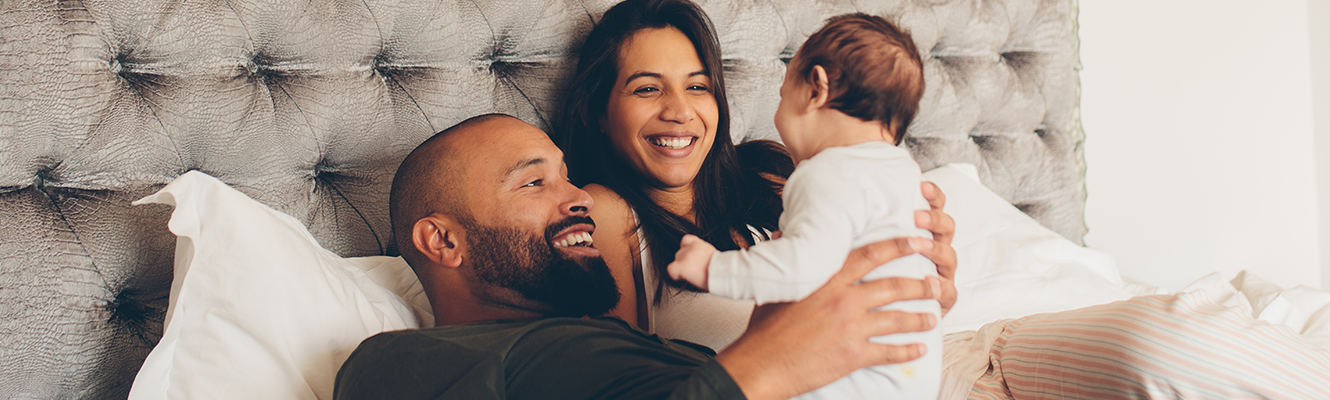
(661, 116)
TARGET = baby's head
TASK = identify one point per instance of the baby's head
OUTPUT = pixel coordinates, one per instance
(873, 70)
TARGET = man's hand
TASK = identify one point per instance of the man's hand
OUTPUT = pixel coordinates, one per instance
(793, 348)
(691, 261)
(939, 249)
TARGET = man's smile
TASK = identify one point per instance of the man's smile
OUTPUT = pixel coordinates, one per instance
(573, 236)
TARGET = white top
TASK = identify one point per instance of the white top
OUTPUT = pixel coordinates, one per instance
(701, 318)
(840, 199)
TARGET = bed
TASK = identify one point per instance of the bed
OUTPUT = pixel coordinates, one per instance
(298, 112)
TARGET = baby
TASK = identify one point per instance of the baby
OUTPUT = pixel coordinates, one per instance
(848, 97)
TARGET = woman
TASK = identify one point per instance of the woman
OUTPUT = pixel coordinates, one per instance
(647, 133)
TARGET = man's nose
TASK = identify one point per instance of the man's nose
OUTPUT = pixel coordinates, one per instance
(580, 202)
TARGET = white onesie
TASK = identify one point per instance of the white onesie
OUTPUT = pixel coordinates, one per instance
(838, 200)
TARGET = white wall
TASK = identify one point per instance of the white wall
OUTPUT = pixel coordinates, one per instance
(1199, 139)
(1318, 17)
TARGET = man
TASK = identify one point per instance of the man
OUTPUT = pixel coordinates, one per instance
(486, 217)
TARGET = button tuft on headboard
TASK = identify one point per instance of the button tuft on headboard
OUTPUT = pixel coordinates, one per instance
(142, 320)
(251, 66)
(115, 66)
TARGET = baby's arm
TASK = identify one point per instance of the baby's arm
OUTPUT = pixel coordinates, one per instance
(785, 269)
(817, 226)
(690, 263)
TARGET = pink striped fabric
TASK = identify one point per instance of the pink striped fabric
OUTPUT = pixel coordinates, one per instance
(1181, 346)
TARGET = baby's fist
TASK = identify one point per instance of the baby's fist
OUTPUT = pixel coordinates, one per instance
(690, 263)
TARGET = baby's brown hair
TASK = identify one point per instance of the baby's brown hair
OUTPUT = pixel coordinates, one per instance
(874, 72)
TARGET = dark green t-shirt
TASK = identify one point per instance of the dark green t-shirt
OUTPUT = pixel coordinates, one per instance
(553, 358)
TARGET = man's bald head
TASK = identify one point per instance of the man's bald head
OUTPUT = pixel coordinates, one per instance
(430, 180)
(485, 215)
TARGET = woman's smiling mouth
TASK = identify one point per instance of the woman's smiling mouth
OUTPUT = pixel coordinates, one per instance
(672, 143)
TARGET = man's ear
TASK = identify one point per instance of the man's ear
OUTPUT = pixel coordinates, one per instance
(440, 239)
(821, 88)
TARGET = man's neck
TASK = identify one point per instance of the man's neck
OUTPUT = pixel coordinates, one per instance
(469, 315)
(464, 307)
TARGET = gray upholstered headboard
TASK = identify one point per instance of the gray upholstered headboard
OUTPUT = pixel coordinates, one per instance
(308, 106)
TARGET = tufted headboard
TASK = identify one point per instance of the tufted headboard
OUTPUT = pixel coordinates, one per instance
(308, 106)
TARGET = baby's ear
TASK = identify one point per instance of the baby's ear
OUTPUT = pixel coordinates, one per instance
(810, 91)
(821, 88)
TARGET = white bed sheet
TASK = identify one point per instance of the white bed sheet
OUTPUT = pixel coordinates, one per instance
(1010, 267)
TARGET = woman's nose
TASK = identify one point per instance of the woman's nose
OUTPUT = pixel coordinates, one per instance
(677, 108)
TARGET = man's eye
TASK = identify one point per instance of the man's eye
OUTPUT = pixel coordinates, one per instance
(538, 182)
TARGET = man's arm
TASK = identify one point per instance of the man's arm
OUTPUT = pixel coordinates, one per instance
(793, 348)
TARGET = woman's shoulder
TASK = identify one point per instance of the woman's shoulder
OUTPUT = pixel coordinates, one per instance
(616, 237)
(597, 189)
(607, 200)
(610, 211)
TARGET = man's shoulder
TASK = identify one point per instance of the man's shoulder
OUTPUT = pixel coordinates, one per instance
(468, 361)
(583, 335)
(499, 338)
(570, 358)
(492, 335)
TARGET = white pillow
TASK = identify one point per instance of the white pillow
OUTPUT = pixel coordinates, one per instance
(1009, 265)
(258, 310)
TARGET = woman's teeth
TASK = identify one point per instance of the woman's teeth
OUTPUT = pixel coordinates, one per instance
(576, 239)
(672, 143)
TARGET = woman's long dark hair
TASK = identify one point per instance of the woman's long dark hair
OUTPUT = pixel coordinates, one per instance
(737, 186)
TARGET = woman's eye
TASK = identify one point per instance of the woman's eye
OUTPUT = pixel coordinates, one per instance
(699, 87)
(646, 90)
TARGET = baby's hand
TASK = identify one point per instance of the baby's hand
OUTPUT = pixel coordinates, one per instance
(690, 263)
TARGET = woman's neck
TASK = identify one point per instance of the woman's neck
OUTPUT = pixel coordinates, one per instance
(678, 201)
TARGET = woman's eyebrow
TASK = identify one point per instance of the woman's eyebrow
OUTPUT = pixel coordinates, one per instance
(658, 76)
(641, 75)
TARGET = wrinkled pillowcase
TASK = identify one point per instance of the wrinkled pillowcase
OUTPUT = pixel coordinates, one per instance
(1009, 265)
(258, 310)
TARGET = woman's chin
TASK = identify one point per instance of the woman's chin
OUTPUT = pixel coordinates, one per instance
(674, 178)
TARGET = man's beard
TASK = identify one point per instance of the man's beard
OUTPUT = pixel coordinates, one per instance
(530, 266)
